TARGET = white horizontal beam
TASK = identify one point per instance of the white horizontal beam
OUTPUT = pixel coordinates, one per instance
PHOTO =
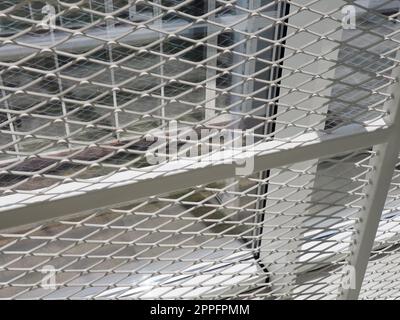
(383, 165)
(26, 207)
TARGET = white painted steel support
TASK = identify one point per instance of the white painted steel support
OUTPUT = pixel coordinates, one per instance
(211, 73)
(60, 88)
(377, 189)
(9, 118)
(283, 265)
(251, 49)
(131, 185)
(157, 12)
(110, 25)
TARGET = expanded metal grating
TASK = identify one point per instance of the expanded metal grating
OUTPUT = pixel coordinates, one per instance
(382, 275)
(103, 186)
(207, 242)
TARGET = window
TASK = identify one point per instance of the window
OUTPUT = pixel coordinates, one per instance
(84, 89)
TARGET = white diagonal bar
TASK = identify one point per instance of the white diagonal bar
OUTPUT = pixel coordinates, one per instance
(130, 185)
(383, 165)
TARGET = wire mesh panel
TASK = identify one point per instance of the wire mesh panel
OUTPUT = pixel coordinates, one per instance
(191, 149)
(79, 96)
(381, 278)
(206, 242)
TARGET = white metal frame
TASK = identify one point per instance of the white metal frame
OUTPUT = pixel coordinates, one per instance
(379, 182)
(130, 185)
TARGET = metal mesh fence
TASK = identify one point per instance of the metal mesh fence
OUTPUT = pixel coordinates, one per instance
(98, 95)
(207, 242)
(381, 279)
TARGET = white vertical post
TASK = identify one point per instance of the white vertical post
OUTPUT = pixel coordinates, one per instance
(157, 11)
(237, 78)
(211, 64)
(244, 84)
(11, 125)
(60, 88)
(251, 49)
(109, 8)
(49, 10)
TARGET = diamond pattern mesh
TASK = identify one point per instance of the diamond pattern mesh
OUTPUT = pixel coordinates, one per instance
(85, 83)
(382, 279)
(207, 242)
